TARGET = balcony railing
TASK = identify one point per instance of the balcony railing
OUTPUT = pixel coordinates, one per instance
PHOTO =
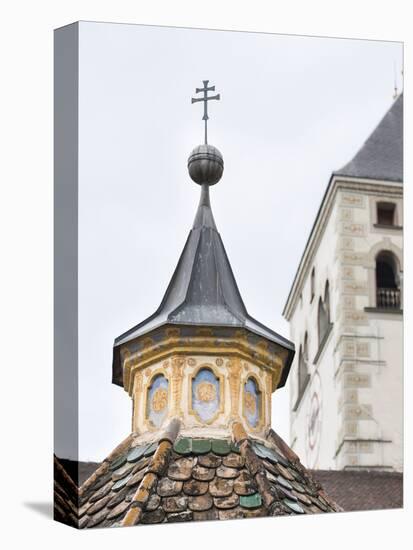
(388, 298)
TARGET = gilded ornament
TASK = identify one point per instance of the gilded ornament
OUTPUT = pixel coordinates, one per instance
(178, 361)
(237, 347)
(191, 362)
(147, 342)
(172, 332)
(269, 383)
(138, 382)
(159, 399)
(241, 334)
(234, 367)
(206, 392)
(219, 362)
(250, 403)
(204, 331)
(262, 345)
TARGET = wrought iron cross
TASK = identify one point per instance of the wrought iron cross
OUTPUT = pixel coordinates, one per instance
(205, 99)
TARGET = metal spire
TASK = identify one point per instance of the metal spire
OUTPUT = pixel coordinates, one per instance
(205, 99)
(203, 290)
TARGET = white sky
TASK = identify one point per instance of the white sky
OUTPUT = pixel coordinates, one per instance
(292, 110)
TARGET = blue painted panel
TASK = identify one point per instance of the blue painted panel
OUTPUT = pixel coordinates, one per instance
(157, 402)
(205, 394)
(252, 402)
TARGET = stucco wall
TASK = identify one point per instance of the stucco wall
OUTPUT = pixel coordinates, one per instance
(350, 414)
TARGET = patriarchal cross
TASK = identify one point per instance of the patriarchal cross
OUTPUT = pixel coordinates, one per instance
(205, 99)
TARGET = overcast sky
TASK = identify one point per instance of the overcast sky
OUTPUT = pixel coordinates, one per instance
(292, 110)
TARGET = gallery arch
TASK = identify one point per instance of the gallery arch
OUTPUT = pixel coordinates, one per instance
(387, 281)
(385, 276)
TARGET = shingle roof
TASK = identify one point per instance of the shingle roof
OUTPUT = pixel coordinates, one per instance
(199, 479)
(363, 489)
(65, 501)
(203, 290)
(352, 489)
(381, 156)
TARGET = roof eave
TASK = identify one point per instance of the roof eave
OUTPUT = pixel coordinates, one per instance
(291, 299)
(277, 340)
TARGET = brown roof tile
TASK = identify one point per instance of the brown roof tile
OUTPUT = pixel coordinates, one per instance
(362, 489)
(66, 500)
(185, 480)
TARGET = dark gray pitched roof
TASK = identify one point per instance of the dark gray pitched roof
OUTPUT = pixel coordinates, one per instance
(203, 290)
(381, 156)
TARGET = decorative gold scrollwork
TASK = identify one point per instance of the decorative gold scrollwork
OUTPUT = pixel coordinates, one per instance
(250, 403)
(206, 392)
(159, 399)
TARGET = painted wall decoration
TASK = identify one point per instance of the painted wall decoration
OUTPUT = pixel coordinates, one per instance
(157, 400)
(206, 395)
(252, 402)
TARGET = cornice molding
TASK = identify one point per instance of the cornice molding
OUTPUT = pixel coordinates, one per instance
(237, 346)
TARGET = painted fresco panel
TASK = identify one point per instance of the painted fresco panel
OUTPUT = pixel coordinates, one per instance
(157, 402)
(205, 395)
(252, 402)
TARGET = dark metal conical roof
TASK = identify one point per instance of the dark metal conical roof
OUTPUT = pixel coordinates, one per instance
(381, 156)
(203, 290)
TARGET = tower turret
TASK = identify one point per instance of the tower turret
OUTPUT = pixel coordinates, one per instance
(200, 372)
(201, 356)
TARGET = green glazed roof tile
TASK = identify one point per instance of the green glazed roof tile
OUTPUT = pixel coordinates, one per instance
(121, 483)
(281, 459)
(235, 448)
(151, 449)
(121, 472)
(136, 453)
(293, 506)
(265, 452)
(118, 462)
(220, 447)
(183, 446)
(250, 501)
(298, 487)
(287, 494)
(201, 446)
(284, 483)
